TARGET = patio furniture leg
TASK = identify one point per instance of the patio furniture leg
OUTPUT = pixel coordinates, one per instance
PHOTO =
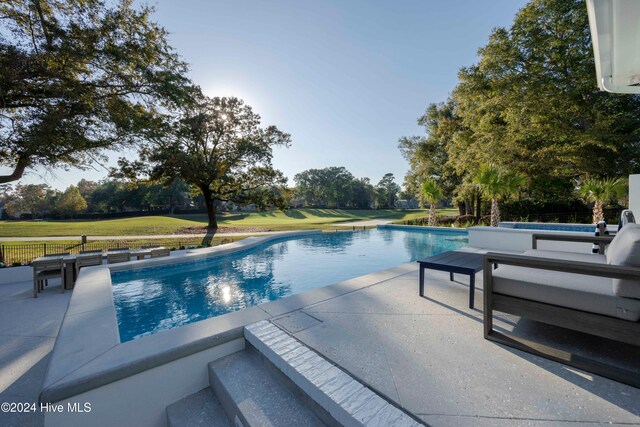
(421, 281)
(488, 309)
(472, 289)
(451, 276)
(69, 276)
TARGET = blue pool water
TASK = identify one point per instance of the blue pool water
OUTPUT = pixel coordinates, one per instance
(554, 227)
(154, 299)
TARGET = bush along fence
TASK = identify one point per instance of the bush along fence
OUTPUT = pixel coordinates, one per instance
(23, 254)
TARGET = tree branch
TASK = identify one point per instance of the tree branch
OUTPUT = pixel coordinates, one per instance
(36, 3)
(21, 165)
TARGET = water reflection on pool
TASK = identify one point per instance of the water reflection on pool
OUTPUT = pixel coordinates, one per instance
(158, 298)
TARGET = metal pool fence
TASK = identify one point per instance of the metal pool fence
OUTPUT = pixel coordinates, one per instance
(20, 254)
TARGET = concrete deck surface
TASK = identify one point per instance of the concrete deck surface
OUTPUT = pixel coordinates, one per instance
(429, 356)
(28, 328)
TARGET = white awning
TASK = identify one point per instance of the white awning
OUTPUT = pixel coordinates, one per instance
(615, 30)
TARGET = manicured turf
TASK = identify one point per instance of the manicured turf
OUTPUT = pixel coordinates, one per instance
(293, 219)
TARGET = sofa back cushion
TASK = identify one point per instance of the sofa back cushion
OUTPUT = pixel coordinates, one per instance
(625, 250)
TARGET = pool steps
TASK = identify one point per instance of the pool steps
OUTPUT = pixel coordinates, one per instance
(256, 395)
(197, 410)
(278, 381)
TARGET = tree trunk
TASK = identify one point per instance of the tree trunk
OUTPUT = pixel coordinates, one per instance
(478, 206)
(433, 218)
(462, 208)
(211, 207)
(598, 212)
(495, 212)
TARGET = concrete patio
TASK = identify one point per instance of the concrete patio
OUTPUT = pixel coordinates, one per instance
(427, 355)
(29, 329)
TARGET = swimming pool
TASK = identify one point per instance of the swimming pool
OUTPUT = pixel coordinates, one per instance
(164, 297)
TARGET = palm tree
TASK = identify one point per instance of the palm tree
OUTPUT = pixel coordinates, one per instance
(497, 184)
(599, 192)
(432, 193)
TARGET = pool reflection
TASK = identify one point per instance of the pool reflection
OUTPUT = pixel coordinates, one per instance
(155, 299)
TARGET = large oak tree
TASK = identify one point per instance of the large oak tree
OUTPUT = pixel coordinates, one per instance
(218, 146)
(78, 77)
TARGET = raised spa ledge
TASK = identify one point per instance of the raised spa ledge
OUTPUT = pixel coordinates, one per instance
(130, 358)
(88, 352)
(94, 294)
(520, 239)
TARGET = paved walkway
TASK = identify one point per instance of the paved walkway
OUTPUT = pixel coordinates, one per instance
(28, 330)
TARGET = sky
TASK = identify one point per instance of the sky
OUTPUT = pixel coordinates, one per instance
(346, 79)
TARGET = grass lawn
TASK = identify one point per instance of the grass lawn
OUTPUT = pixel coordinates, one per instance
(293, 219)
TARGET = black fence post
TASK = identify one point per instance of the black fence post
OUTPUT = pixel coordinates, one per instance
(45, 248)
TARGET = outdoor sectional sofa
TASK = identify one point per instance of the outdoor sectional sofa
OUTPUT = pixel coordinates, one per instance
(594, 294)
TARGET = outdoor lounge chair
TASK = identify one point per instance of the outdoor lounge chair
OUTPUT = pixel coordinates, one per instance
(88, 260)
(46, 269)
(118, 256)
(160, 252)
(593, 294)
(58, 254)
(93, 251)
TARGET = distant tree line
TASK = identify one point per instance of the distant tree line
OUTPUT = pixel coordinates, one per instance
(335, 187)
(38, 201)
(332, 187)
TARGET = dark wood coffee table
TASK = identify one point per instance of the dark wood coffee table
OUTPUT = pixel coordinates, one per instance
(468, 263)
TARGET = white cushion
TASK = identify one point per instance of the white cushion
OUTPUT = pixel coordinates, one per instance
(625, 250)
(567, 256)
(581, 292)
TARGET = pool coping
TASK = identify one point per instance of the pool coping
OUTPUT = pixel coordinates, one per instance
(88, 353)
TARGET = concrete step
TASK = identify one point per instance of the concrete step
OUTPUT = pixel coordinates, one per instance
(197, 410)
(252, 394)
(345, 400)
